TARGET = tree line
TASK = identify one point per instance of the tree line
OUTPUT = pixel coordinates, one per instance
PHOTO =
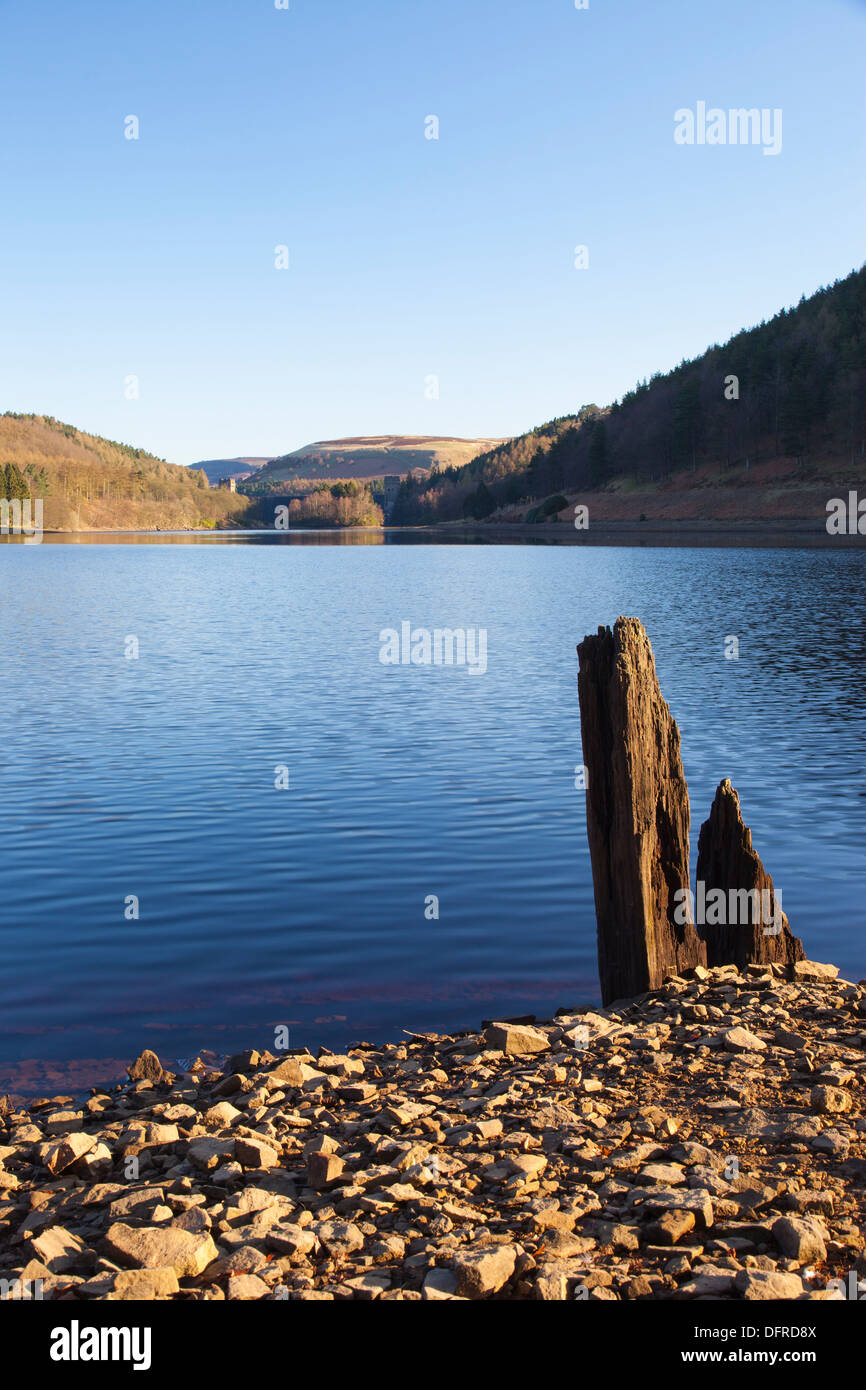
(794, 388)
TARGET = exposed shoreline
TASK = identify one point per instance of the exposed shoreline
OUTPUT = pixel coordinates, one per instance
(704, 1140)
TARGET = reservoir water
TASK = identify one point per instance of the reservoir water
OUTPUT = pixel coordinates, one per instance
(254, 822)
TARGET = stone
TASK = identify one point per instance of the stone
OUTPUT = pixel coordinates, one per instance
(244, 1061)
(811, 1200)
(527, 1165)
(62, 1121)
(483, 1269)
(515, 1038)
(56, 1248)
(195, 1219)
(293, 1073)
(671, 1226)
(656, 1200)
(321, 1144)
(757, 1284)
(832, 1141)
(253, 1199)
(641, 1286)
(138, 1203)
(637, 814)
(207, 1154)
(324, 1168)
(665, 1174)
(801, 1238)
(146, 1067)
(439, 1284)
(230, 1085)
(369, 1285)
(741, 1040)
(255, 1153)
(144, 1285)
(339, 1237)
(830, 1100)
(563, 1245)
(245, 1259)
(754, 929)
(290, 1239)
(246, 1287)
(160, 1136)
(813, 970)
(552, 1219)
(709, 1281)
(67, 1151)
(164, 1247)
(96, 1163)
(551, 1284)
(222, 1115)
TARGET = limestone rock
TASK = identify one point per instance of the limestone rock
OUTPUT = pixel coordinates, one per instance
(515, 1038)
(144, 1285)
(293, 1072)
(830, 1100)
(671, 1226)
(757, 1284)
(67, 1151)
(56, 1248)
(813, 970)
(801, 1238)
(150, 1247)
(207, 1154)
(741, 1040)
(439, 1284)
(246, 1287)
(324, 1168)
(255, 1153)
(339, 1237)
(483, 1269)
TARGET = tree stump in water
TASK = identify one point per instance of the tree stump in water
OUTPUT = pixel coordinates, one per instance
(637, 815)
(743, 922)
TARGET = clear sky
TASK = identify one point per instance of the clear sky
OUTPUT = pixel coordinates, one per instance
(409, 257)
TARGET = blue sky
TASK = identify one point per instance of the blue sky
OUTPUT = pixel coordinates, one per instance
(409, 257)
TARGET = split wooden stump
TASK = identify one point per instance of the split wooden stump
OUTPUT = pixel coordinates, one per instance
(637, 816)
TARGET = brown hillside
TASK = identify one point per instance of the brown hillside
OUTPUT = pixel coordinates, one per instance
(90, 483)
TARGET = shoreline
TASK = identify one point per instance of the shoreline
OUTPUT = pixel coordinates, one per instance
(707, 1139)
(686, 534)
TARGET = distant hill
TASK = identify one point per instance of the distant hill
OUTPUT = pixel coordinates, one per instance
(90, 483)
(759, 428)
(238, 468)
(371, 456)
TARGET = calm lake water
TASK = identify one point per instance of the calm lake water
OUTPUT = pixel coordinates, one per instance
(305, 906)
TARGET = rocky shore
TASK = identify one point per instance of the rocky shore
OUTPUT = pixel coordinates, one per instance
(705, 1140)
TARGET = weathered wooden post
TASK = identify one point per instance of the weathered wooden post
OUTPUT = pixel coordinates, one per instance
(743, 918)
(637, 815)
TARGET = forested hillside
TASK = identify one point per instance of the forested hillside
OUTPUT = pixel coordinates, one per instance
(790, 393)
(90, 483)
